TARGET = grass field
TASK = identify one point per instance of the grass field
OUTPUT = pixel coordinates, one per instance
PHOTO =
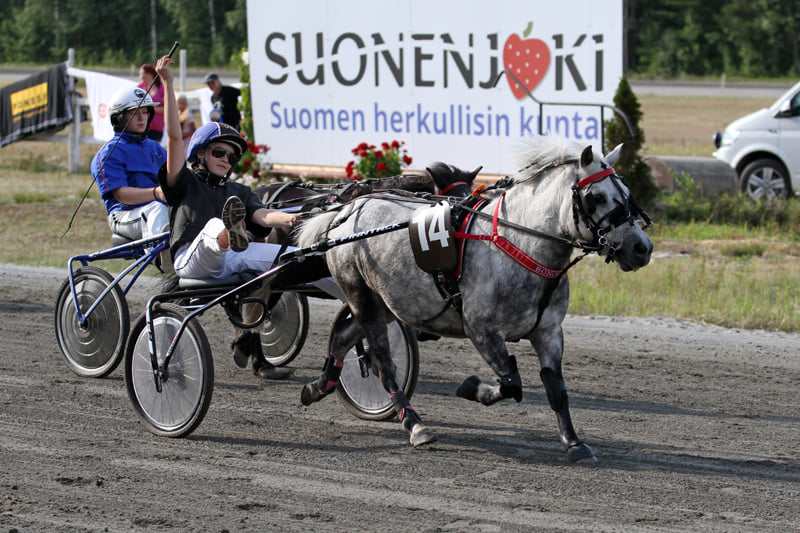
(730, 276)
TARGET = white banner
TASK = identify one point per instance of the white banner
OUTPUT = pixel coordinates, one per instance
(327, 75)
(101, 88)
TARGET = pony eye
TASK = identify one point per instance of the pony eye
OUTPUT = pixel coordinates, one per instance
(591, 201)
(599, 199)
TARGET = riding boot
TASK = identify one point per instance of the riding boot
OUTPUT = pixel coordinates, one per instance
(262, 367)
(326, 384)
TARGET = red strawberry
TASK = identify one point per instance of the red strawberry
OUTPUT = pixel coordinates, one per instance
(527, 60)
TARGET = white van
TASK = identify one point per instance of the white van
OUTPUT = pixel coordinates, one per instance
(764, 148)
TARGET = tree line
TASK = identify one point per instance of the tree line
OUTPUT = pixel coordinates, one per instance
(663, 38)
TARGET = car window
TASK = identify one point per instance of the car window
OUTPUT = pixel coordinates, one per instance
(794, 106)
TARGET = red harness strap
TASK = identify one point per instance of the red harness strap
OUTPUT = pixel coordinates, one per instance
(451, 186)
(510, 249)
(595, 177)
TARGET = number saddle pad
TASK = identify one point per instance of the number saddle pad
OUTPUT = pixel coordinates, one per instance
(432, 241)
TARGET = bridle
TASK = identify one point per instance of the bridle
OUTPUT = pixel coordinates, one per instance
(626, 212)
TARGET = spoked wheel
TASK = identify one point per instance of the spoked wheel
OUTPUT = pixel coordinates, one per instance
(364, 396)
(95, 349)
(189, 379)
(284, 332)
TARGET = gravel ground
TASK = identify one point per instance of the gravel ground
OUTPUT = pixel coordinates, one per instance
(695, 428)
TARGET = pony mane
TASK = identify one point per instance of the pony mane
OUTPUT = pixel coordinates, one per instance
(539, 153)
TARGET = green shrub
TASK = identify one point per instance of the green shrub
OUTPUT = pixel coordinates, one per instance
(687, 204)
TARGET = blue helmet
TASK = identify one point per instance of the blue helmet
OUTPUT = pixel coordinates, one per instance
(215, 132)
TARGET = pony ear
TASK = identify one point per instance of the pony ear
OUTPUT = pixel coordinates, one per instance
(614, 154)
(471, 175)
(587, 156)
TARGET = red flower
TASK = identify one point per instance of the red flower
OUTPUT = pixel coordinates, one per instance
(256, 173)
(378, 154)
(363, 153)
(386, 146)
(381, 167)
(406, 160)
(396, 144)
(247, 163)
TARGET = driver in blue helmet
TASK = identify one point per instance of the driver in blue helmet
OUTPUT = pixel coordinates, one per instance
(208, 214)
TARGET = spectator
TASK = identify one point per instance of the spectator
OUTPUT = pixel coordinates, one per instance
(226, 99)
(126, 169)
(208, 214)
(147, 73)
(186, 118)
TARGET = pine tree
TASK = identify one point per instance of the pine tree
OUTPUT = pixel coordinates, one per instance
(630, 165)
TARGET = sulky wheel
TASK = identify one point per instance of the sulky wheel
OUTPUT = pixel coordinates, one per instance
(96, 348)
(186, 385)
(365, 397)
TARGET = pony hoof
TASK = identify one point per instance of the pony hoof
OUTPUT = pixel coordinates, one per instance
(580, 452)
(311, 394)
(421, 435)
(469, 389)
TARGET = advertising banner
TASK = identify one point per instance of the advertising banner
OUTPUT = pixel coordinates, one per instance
(100, 89)
(327, 75)
(35, 104)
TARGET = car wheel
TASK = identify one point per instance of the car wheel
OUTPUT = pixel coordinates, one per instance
(765, 179)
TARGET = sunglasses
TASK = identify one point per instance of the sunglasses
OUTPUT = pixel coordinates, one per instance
(221, 153)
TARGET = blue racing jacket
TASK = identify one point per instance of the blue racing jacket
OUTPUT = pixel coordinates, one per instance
(126, 161)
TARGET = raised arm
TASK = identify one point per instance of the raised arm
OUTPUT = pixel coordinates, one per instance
(176, 156)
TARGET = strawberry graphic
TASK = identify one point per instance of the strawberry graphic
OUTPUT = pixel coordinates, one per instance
(527, 60)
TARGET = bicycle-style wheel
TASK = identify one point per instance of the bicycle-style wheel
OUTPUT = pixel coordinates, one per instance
(284, 332)
(185, 389)
(95, 349)
(365, 397)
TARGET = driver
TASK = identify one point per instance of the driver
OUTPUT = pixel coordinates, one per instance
(209, 214)
(126, 167)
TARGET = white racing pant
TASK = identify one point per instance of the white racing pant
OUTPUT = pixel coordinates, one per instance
(203, 258)
(140, 222)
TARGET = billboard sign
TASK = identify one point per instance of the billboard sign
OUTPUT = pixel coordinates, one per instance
(327, 75)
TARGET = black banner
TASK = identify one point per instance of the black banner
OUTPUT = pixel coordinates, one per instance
(35, 104)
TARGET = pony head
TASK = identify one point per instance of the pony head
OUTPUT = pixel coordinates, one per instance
(451, 180)
(603, 206)
(596, 204)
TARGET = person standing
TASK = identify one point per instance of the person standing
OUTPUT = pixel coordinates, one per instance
(188, 125)
(226, 99)
(147, 73)
(126, 169)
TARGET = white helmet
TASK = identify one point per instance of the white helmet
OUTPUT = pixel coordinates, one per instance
(127, 99)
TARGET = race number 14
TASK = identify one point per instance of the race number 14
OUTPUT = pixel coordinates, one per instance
(431, 227)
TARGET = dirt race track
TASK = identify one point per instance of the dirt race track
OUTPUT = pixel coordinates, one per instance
(696, 428)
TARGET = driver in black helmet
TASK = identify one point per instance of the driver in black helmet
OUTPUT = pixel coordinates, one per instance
(208, 213)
